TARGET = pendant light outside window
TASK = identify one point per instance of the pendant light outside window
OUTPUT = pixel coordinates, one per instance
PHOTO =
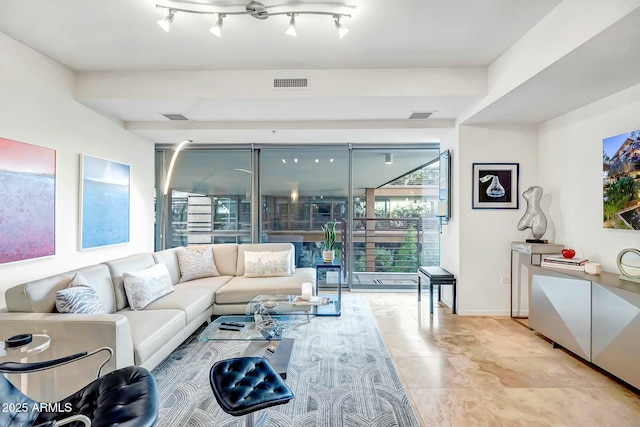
(291, 31)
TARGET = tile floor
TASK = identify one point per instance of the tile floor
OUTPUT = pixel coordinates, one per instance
(465, 371)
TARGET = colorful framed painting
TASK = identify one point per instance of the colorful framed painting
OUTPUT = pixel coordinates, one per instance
(621, 181)
(27, 211)
(495, 186)
(104, 202)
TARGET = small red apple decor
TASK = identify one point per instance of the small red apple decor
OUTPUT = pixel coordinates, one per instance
(568, 253)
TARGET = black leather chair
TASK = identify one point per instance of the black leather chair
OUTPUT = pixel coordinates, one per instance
(244, 385)
(126, 397)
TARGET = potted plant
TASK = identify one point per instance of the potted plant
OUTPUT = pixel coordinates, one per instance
(329, 240)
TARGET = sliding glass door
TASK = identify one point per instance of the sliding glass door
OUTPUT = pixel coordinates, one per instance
(394, 228)
(300, 190)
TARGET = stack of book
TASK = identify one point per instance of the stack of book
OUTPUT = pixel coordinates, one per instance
(558, 261)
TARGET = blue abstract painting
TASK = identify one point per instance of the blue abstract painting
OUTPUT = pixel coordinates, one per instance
(104, 202)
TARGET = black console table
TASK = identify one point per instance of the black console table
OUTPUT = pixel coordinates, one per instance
(436, 276)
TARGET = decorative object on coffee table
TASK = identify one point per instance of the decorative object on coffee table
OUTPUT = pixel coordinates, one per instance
(533, 217)
(329, 240)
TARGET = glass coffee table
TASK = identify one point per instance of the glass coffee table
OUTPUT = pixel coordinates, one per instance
(293, 305)
(265, 334)
(269, 328)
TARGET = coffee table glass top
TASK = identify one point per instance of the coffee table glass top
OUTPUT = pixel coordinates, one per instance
(292, 305)
(251, 331)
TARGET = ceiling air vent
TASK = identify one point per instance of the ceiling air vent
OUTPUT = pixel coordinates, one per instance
(420, 116)
(300, 83)
(175, 116)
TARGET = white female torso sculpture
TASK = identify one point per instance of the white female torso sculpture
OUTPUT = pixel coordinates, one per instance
(533, 217)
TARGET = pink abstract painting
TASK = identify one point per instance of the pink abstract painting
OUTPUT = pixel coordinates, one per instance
(27, 201)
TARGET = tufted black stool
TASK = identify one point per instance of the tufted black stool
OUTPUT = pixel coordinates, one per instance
(244, 385)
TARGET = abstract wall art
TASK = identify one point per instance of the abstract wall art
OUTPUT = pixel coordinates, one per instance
(495, 186)
(27, 202)
(104, 202)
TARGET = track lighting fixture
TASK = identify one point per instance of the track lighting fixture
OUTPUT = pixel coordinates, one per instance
(256, 9)
(165, 23)
(291, 31)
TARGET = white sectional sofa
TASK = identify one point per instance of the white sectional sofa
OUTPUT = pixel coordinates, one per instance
(141, 337)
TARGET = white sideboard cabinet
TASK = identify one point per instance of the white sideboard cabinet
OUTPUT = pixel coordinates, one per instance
(597, 317)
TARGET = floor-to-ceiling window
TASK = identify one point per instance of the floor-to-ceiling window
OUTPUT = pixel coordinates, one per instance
(387, 198)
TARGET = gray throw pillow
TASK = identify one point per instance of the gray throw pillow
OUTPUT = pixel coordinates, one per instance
(79, 298)
(196, 262)
(145, 286)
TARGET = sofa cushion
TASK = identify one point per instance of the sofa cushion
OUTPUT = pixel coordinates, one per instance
(145, 286)
(193, 302)
(243, 289)
(267, 264)
(79, 297)
(260, 247)
(119, 266)
(226, 256)
(151, 329)
(211, 283)
(196, 262)
(39, 296)
(169, 258)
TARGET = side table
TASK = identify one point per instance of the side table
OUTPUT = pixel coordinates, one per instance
(436, 276)
(330, 273)
(20, 353)
(524, 254)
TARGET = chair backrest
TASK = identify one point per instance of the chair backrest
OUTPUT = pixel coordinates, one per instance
(17, 409)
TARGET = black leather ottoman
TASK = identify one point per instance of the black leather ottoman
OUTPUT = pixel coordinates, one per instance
(244, 385)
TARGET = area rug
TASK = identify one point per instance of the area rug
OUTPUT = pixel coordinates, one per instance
(340, 372)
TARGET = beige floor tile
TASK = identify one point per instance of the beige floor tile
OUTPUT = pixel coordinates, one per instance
(431, 372)
(492, 371)
(452, 407)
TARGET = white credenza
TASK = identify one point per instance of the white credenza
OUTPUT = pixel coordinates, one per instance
(597, 317)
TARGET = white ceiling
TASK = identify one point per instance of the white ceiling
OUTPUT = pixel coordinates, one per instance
(117, 41)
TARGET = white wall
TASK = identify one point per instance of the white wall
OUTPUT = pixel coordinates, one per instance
(571, 170)
(486, 235)
(38, 108)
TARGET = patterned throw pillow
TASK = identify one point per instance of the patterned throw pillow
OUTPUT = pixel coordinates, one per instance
(196, 263)
(79, 297)
(267, 264)
(145, 286)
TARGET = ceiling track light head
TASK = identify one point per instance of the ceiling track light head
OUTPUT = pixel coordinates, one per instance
(291, 30)
(165, 23)
(216, 30)
(342, 31)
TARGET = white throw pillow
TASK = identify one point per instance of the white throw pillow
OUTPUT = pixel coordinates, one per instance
(79, 297)
(145, 286)
(267, 264)
(196, 263)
